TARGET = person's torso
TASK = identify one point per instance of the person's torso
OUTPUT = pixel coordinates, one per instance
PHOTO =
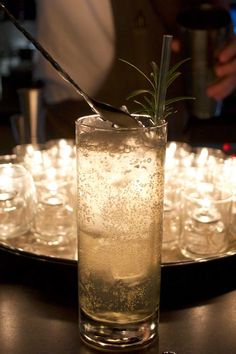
(88, 37)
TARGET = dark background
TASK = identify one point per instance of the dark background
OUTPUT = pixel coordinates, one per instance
(16, 64)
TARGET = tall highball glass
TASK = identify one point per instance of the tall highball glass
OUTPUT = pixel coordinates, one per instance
(120, 222)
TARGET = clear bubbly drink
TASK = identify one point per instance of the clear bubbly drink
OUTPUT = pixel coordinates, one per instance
(120, 210)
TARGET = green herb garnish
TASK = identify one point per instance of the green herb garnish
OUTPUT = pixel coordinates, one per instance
(149, 103)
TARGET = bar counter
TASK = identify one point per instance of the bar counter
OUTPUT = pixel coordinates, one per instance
(38, 307)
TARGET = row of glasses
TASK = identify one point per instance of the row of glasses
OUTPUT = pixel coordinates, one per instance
(52, 170)
(17, 200)
(205, 214)
(198, 186)
(228, 176)
(176, 154)
(196, 183)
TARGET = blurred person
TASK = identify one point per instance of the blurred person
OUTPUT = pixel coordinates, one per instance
(87, 37)
(226, 72)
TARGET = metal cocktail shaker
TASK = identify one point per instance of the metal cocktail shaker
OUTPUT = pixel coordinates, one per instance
(204, 31)
(28, 127)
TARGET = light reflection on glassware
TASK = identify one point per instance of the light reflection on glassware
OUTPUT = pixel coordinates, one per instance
(183, 164)
(17, 200)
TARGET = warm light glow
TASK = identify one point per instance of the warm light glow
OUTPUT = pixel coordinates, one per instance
(202, 158)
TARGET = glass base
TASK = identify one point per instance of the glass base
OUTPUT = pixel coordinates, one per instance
(189, 253)
(114, 336)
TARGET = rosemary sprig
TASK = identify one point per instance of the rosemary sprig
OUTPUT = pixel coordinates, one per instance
(149, 103)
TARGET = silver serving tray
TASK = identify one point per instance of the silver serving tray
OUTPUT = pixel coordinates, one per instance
(28, 246)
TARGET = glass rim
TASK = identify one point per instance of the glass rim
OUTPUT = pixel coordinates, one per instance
(226, 198)
(79, 122)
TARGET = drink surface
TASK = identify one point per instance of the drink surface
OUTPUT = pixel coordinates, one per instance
(120, 188)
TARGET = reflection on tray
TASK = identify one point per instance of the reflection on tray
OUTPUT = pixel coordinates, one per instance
(28, 245)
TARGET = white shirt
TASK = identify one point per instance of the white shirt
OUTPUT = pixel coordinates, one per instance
(80, 35)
